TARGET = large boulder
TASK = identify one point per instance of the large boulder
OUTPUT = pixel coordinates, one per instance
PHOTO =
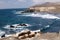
(22, 33)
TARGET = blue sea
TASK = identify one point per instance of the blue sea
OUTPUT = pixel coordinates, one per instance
(37, 21)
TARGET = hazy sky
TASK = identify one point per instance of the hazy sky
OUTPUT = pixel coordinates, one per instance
(22, 3)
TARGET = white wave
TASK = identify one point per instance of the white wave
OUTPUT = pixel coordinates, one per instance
(30, 30)
(8, 27)
(16, 26)
(36, 30)
(8, 35)
(47, 16)
(47, 26)
(25, 30)
(1, 33)
(18, 12)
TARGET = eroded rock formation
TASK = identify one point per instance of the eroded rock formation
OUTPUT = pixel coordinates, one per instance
(30, 35)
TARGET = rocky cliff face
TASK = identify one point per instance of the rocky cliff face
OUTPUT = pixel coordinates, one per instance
(48, 7)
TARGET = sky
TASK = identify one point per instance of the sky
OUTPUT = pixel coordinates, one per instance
(22, 3)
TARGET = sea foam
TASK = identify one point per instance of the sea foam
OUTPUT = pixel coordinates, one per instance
(8, 27)
(16, 26)
(1, 33)
(46, 16)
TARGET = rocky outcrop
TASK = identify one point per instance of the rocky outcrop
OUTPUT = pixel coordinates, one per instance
(26, 34)
(28, 11)
(31, 35)
(21, 35)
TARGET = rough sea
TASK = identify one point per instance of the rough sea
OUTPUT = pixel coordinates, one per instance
(37, 20)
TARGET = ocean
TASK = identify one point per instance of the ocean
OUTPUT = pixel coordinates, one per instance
(37, 21)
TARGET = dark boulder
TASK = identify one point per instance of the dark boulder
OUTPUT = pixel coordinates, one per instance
(11, 26)
(22, 25)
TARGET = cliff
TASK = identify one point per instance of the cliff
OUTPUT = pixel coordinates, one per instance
(46, 7)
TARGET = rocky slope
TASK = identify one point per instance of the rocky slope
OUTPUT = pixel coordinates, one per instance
(45, 7)
(31, 35)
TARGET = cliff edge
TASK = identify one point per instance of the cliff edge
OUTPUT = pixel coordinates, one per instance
(46, 7)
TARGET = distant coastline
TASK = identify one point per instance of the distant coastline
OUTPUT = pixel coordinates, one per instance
(46, 7)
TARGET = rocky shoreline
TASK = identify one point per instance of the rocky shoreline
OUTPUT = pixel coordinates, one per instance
(32, 35)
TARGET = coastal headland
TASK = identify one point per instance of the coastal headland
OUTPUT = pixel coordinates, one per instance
(45, 7)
